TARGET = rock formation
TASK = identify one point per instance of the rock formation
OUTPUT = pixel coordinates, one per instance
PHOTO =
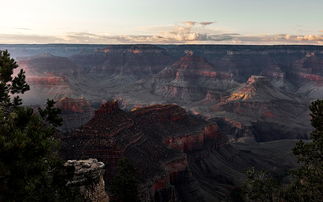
(178, 157)
(190, 79)
(258, 88)
(88, 180)
(259, 106)
(155, 138)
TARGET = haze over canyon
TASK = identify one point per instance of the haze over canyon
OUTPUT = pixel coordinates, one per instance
(191, 118)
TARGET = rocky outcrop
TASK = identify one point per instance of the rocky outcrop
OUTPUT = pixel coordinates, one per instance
(88, 180)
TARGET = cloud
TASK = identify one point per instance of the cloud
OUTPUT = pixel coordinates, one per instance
(179, 36)
(29, 39)
(281, 39)
(189, 32)
(23, 28)
(206, 23)
(190, 23)
(193, 23)
(309, 37)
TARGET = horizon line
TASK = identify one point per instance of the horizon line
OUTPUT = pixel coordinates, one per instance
(162, 44)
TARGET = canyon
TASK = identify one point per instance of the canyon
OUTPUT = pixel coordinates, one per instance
(191, 118)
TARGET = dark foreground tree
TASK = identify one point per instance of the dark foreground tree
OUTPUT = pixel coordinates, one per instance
(306, 184)
(124, 185)
(260, 186)
(28, 157)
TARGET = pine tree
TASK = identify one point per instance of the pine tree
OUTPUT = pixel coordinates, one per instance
(10, 86)
(124, 185)
(306, 183)
(28, 155)
(260, 186)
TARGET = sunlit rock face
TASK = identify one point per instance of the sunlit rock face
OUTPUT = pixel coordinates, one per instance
(258, 106)
(258, 88)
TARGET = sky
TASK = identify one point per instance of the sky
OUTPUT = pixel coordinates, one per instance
(162, 21)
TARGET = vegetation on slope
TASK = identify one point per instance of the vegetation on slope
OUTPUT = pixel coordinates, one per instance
(305, 182)
(28, 149)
